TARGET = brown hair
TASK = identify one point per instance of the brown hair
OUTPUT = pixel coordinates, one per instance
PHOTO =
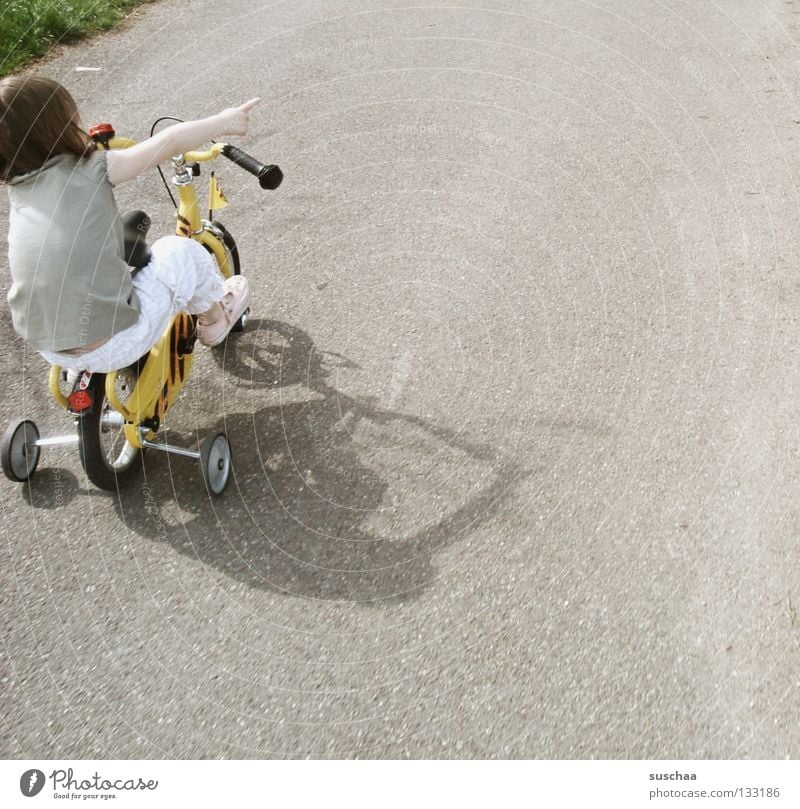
(38, 120)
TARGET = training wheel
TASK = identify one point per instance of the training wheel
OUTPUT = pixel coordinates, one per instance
(215, 462)
(19, 452)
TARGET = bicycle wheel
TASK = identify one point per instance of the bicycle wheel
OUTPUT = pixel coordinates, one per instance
(107, 457)
(19, 452)
(232, 252)
(215, 462)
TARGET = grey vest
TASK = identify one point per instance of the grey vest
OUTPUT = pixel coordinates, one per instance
(71, 286)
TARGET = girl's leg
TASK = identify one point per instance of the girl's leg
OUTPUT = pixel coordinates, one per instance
(191, 273)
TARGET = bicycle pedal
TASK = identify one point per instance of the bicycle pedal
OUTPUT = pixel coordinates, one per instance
(186, 344)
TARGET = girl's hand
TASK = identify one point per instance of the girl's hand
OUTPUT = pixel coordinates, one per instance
(125, 164)
(235, 120)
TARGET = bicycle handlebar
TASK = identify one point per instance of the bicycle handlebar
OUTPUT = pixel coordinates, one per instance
(269, 177)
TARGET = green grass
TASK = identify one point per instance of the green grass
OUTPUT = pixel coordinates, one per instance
(29, 28)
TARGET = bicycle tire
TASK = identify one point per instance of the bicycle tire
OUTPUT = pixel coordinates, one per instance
(216, 462)
(106, 456)
(18, 450)
(233, 256)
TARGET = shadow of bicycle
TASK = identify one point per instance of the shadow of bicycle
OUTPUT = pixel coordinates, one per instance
(333, 497)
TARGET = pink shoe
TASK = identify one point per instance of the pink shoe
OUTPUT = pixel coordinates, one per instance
(234, 302)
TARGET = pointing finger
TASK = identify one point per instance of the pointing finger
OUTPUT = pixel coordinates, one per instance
(248, 105)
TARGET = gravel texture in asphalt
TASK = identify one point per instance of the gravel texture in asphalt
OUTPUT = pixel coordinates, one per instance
(515, 422)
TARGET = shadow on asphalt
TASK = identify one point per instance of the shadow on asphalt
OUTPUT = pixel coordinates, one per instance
(315, 509)
(51, 488)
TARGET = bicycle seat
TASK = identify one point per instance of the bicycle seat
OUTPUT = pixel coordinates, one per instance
(135, 225)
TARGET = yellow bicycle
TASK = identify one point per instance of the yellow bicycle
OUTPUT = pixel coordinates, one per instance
(119, 414)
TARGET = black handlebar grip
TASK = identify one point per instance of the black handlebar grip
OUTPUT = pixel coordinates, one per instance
(269, 177)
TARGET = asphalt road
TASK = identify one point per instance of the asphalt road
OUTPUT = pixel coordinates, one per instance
(516, 421)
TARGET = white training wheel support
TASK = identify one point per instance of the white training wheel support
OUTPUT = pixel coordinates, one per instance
(21, 447)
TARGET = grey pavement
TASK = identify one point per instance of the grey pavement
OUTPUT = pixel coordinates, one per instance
(516, 421)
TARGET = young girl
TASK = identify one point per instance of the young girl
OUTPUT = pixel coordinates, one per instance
(73, 298)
